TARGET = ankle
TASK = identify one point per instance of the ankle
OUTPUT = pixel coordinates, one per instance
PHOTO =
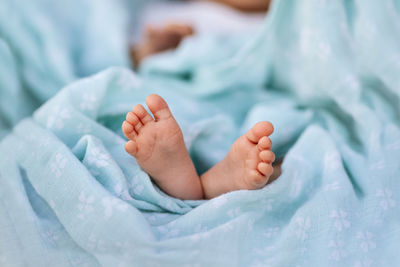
(212, 183)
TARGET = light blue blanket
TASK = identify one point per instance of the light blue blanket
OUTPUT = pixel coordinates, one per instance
(44, 45)
(325, 73)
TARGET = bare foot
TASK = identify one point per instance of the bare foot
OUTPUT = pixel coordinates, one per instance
(157, 40)
(158, 146)
(248, 164)
(159, 149)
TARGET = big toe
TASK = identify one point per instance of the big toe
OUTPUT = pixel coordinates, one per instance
(263, 128)
(158, 107)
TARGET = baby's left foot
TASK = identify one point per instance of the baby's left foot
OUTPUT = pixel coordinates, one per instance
(248, 164)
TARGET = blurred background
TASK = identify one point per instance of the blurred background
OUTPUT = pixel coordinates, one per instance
(45, 45)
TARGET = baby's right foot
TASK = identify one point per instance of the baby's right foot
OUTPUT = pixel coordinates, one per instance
(248, 164)
(159, 149)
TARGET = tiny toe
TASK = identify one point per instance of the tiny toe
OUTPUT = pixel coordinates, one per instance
(142, 114)
(134, 120)
(264, 143)
(267, 156)
(158, 107)
(128, 129)
(263, 128)
(131, 147)
(257, 179)
(265, 168)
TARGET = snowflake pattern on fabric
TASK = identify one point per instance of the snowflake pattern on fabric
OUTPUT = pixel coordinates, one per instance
(58, 164)
(325, 73)
(386, 199)
(338, 250)
(340, 220)
(85, 205)
(366, 241)
(57, 118)
(88, 101)
(110, 204)
(303, 225)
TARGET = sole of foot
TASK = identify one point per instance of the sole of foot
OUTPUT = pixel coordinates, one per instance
(248, 164)
(158, 147)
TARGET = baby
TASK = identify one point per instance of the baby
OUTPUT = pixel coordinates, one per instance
(158, 146)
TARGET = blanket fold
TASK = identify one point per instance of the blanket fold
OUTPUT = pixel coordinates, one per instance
(325, 73)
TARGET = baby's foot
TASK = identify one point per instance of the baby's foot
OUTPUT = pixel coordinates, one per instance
(157, 40)
(159, 149)
(248, 164)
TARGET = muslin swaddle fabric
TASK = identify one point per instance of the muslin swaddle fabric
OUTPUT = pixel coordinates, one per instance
(325, 73)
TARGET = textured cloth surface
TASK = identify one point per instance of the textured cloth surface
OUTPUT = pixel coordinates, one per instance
(325, 73)
(44, 45)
